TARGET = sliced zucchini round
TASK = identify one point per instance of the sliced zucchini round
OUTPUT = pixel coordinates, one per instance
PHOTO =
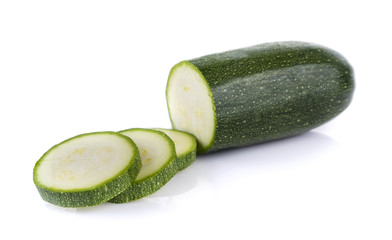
(159, 165)
(185, 144)
(87, 170)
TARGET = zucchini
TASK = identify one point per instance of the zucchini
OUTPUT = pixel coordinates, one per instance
(157, 152)
(185, 145)
(258, 94)
(87, 170)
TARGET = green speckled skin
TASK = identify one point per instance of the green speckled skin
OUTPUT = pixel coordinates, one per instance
(274, 90)
(186, 160)
(147, 186)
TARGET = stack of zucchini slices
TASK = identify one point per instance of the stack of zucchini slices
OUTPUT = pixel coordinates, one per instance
(117, 167)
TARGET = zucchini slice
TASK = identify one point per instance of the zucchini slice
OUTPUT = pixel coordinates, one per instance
(185, 144)
(159, 165)
(87, 170)
(258, 94)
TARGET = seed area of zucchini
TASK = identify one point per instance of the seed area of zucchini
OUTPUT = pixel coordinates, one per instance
(159, 165)
(87, 170)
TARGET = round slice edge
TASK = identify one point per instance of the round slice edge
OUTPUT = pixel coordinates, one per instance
(159, 164)
(185, 144)
(87, 169)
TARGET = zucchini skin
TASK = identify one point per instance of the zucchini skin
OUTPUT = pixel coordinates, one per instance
(186, 160)
(140, 189)
(274, 90)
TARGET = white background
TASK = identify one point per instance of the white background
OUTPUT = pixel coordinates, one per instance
(71, 67)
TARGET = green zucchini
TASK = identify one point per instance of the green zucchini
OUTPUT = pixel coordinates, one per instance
(258, 94)
(159, 165)
(87, 170)
(185, 145)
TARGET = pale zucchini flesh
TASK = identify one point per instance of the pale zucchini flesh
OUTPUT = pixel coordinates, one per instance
(185, 144)
(158, 157)
(87, 169)
(191, 105)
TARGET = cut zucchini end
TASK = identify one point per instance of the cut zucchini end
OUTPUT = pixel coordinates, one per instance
(191, 105)
(87, 170)
(185, 144)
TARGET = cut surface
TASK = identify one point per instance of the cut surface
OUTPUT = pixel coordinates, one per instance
(84, 162)
(185, 144)
(155, 150)
(190, 103)
(183, 141)
(159, 165)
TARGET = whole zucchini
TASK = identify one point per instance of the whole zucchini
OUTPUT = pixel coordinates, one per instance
(258, 94)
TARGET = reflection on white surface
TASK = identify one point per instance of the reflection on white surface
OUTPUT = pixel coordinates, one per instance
(217, 168)
(213, 173)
